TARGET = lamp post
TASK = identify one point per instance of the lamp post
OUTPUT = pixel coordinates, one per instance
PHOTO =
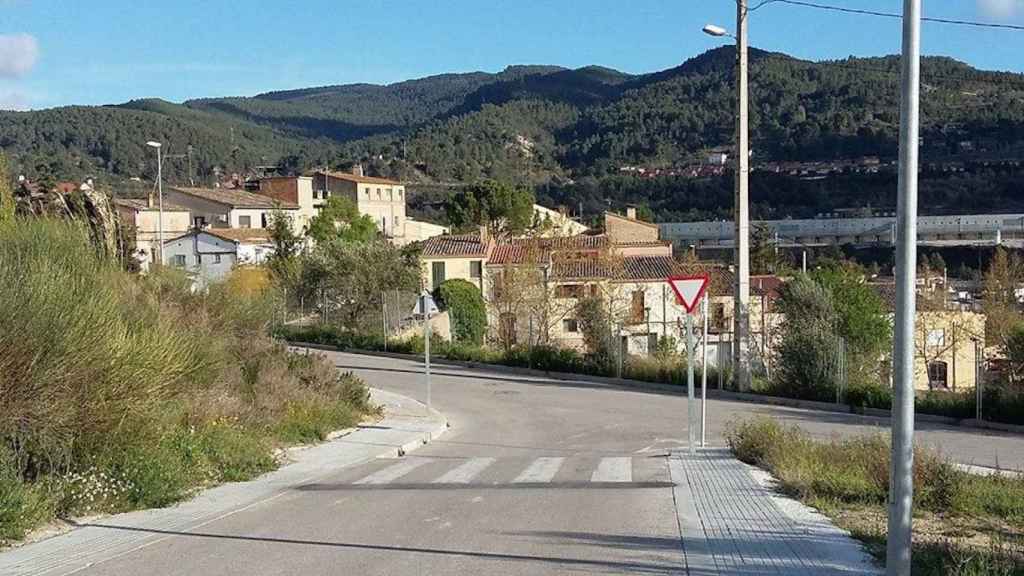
(160, 196)
(741, 317)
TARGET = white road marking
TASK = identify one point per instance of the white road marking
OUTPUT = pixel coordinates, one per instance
(393, 472)
(618, 469)
(541, 470)
(465, 472)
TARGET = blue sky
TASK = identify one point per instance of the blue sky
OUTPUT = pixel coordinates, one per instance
(58, 52)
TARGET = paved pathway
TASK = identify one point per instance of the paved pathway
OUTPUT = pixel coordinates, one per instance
(732, 522)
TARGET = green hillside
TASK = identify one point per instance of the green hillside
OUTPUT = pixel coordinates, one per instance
(542, 125)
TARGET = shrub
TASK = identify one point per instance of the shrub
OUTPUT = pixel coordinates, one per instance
(119, 392)
(465, 305)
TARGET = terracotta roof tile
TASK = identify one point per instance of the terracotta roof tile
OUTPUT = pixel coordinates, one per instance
(139, 204)
(236, 198)
(454, 246)
(359, 179)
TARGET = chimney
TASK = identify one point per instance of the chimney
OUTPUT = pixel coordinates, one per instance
(357, 170)
(149, 200)
(631, 213)
(485, 236)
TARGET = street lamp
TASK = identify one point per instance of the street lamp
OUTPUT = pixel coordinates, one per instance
(741, 349)
(160, 196)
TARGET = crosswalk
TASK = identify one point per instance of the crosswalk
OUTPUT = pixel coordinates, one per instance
(486, 471)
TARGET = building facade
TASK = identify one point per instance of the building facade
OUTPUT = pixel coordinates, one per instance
(379, 198)
(294, 190)
(218, 208)
(142, 220)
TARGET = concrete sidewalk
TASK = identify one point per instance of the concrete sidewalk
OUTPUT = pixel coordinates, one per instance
(732, 522)
(406, 425)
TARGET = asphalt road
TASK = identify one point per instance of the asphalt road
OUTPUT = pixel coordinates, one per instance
(534, 477)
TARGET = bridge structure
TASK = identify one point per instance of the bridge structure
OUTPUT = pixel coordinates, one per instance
(934, 231)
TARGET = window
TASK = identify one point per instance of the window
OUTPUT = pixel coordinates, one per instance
(178, 261)
(636, 312)
(199, 222)
(378, 194)
(507, 328)
(391, 193)
(570, 291)
(570, 325)
(216, 258)
(437, 273)
(263, 220)
(400, 190)
(199, 259)
(938, 374)
(937, 337)
(476, 269)
(245, 221)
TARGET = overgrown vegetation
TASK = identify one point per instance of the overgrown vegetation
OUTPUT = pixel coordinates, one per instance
(465, 304)
(964, 524)
(120, 392)
(667, 369)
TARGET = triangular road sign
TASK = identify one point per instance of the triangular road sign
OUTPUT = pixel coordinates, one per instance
(689, 289)
(425, 305)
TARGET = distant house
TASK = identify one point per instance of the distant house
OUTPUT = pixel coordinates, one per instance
(559, 224)
(457, 256)
(294, 190)
(230, 207)
(142, 219)
(380, 198)
(209, 255)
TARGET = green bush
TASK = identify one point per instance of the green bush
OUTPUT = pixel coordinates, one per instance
(465, 305)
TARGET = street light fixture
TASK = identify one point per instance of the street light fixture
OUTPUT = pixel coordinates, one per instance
(717, 31)
(741, 316)
(160, 196)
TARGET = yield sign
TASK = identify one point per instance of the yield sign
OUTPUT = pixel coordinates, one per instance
(689, 289)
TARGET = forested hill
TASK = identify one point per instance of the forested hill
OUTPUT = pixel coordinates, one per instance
(537, 123)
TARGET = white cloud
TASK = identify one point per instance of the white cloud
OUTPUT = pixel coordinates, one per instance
(18, 54)
(1000, 9)
(13, 101)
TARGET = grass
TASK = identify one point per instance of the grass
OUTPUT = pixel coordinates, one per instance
(669, 369)
(964, 524)
(120, 392)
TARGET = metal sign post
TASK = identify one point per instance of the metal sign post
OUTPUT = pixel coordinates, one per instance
(689, 290)
(425, 305)
(704, 374)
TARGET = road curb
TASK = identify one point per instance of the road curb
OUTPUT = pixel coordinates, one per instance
(713, 393)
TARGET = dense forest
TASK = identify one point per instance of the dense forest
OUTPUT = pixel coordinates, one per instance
(568, 132)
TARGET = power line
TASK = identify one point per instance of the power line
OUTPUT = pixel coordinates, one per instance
(889, 14)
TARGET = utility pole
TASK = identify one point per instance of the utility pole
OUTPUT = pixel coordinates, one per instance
(741, 350)
(901, 487)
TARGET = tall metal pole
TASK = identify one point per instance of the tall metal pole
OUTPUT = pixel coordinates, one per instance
(691, 404)
(384, 317)
(426, 344)
(741, 350)
(160, 200)
(901, 489)
(704, 374)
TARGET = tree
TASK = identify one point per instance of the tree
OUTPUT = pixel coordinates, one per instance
(503, 208)
(808, 350)
(862, 316)
(340, 219)
(284, 263)
(764, 253)
(6, 192)
(1002, 311)
(349, 279)
(465, 305)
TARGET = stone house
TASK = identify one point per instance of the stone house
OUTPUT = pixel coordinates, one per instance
(380, 198)
(141, 219)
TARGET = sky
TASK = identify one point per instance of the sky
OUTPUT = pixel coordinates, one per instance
(62, 52)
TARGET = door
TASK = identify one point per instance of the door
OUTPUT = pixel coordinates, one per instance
(436, 274)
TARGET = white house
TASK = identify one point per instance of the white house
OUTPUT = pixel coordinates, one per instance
(209, 255)
(231, 207)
